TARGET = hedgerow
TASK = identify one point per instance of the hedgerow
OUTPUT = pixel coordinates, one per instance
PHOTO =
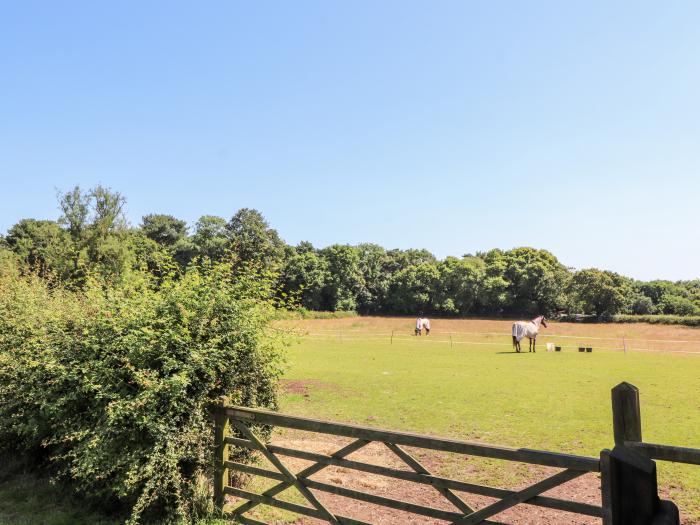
(658, 319)
(304, 313)
(109, 386)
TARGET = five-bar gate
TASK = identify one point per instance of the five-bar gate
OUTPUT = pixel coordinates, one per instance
(243, 419)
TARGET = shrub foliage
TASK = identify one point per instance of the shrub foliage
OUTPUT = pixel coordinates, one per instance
(109, 385)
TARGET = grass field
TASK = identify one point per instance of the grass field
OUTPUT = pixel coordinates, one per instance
(464, 381)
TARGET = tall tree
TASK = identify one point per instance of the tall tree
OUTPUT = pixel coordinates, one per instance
(374, 265)
(164, 229)
(601, 293)
(459, 285)
(41, 246)
(345, 279)
(304, 276)
(414, 289)
(210, 237)
(253, 241)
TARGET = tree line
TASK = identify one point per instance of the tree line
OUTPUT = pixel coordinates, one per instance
(92, 238)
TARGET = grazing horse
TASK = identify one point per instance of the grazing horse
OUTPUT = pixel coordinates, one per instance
(527, 329)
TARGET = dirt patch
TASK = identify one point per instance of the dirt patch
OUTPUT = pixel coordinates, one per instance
(585, 489)
(304, 386)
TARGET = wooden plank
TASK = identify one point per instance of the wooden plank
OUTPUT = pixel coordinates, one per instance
(524, 455)
(627, 420)
(687, 455)
(239, 442)
(540, 501)
(255, 471)
(420, 469)
(285, 505)
(327, 515)
(520, 496)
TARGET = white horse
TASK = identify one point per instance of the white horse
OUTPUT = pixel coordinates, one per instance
(527, 329)
(421, 323)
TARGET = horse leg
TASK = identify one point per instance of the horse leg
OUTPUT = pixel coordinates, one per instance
(534, 343)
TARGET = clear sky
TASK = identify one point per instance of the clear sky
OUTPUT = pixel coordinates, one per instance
(455, 126)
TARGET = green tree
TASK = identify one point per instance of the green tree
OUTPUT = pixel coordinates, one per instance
(400, 259)
(164, 229)
(95, 223)
(345, 278)
(75, 209)
(253, 241)
(304, 277)
(375, 267)
(537, 281)
(677, 305)
(601, 293)
(495, 294)
(41, 246)
(210, 237)
(413, 289)
(460, 284)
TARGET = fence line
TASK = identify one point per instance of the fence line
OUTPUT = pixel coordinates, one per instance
(412, 339)
(406, 337)
(501, 334)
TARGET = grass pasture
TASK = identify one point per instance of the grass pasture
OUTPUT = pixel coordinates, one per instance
(464, 381)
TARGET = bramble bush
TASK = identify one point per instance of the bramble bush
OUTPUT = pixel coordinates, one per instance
(109, 386)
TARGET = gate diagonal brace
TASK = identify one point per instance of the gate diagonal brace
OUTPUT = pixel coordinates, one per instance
(420, 469)
(294, 480)
(519, 497)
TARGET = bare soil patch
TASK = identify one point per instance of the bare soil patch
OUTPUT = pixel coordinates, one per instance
(304, 386)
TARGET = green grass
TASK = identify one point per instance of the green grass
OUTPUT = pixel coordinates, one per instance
(551, 401)
(28, 499)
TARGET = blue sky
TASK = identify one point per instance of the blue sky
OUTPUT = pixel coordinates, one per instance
(454, 126)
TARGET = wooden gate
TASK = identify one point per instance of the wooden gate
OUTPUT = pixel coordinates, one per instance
(235, 427)
(239, 420)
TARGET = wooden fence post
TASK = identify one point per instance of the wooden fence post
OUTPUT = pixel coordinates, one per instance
(627, 420)
(221, 475)
(606, 486)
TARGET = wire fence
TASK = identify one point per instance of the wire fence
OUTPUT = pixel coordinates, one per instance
(499, 339)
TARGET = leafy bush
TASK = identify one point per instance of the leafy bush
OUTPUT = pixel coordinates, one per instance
(110, 386)
(658, 319)
(303, 313)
